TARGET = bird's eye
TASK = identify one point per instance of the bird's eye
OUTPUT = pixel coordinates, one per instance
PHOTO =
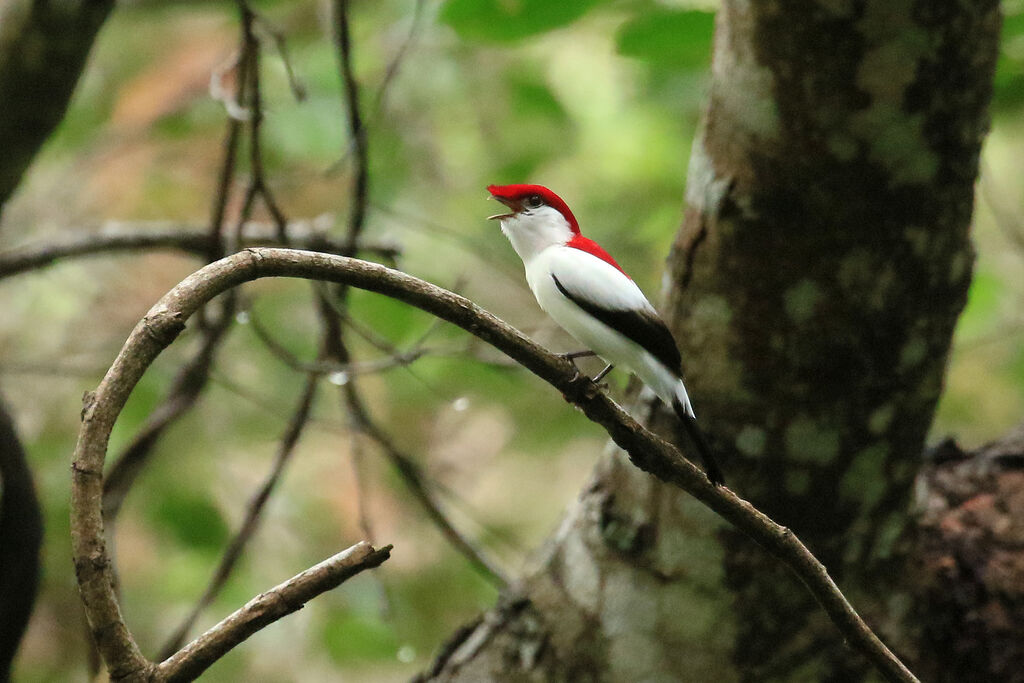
(534, 201)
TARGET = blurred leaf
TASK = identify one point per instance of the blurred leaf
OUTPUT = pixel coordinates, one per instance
(1009, 79)
(542, 126)
(505, 21)
(348, 637)
(680, 39)
(190, 517)
(983, 302)
(534, 98)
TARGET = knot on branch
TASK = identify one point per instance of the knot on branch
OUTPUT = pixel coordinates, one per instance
(88, 402)
(581, 389)
(80, 470)
(164, 327)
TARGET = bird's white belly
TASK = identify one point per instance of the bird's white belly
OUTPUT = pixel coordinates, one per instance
(609, 344)
(612, 346)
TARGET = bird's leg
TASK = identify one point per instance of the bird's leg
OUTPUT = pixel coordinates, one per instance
(572, 356)
(599, 376)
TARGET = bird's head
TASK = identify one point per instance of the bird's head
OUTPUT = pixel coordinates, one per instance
(537, 218)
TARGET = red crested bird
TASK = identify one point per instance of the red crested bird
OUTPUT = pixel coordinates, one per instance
(588, 294)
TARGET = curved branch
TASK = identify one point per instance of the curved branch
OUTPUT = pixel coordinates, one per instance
(280, 601)
(188, 238)
(648, 452)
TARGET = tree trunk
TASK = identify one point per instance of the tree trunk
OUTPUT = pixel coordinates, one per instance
(814, 288)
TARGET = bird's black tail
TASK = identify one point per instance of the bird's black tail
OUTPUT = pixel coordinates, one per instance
(695, 435)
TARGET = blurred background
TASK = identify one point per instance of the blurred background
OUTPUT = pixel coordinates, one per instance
(599, 100)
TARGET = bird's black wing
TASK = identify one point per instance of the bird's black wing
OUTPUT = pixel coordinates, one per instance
(641, 326)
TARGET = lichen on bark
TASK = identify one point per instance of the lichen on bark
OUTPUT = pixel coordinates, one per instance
(842, 250)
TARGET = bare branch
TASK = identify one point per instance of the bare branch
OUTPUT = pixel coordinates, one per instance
(215, 241)
(360, 182)
(266, 608)
(647, 451)
(257, 178)
(191, 239)
(285, 448)
(297, 87)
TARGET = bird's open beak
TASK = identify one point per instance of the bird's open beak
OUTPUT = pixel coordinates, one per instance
(507, 202)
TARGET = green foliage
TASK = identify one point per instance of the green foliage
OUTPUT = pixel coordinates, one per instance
(349, 637)
(507, 21)
(1009, 81)
(984, 300)
(189, 516)
(669, 39)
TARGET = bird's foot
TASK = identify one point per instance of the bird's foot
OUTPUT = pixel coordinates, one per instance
(587, 387)
(572, 356)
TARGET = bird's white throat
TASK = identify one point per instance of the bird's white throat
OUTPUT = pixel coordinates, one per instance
(531, 231)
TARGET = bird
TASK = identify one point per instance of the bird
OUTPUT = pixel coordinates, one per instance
(579, 285)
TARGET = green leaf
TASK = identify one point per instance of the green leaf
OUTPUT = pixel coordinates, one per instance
(681, 39)
(983, 300)
(506, 21)
(191, 518)
(351, 637)
(1009, 79)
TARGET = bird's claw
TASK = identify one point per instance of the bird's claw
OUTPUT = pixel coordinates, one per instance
(591, 386)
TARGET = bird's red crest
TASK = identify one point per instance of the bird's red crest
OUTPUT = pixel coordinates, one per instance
(550, 198)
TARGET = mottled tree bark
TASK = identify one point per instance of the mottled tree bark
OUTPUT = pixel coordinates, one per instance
(814, 287)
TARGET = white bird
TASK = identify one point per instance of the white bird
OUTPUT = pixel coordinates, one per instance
(585, 291)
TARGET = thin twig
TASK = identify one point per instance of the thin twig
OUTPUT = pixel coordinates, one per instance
(250, 523)
(191, 239)
(294, 84)
(397, 359)
(360, 181)
(396, 62)
(454, 498)
(646, 450)
(417, 222)
(394, 66)
(215, 242)
(368, 334)
(266, 608)
(416, 482)
(257, 177)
